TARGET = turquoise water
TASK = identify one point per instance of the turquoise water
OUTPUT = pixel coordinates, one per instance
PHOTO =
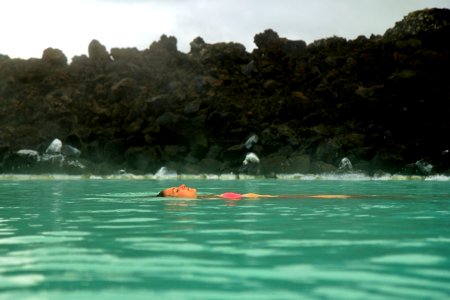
(107, 239)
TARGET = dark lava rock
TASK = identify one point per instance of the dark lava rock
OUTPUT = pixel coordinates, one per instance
(379, 101)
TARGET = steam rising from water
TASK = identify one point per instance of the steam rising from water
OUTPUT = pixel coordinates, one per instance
(164, 174)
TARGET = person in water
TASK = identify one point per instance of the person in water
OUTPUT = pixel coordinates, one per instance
(184, 191)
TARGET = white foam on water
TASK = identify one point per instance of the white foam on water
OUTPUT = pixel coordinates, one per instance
(438, 178)
(228, 176)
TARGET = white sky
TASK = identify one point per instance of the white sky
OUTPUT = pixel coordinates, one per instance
(30, 26)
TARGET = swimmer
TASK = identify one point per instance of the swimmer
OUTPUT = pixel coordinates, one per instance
(184, 191)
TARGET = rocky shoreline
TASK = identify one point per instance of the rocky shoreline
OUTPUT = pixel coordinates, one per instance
(373, 104)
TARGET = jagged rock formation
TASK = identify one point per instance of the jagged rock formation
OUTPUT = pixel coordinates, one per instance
(381, 102)
(422, 23)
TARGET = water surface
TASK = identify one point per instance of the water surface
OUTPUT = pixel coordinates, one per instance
(110, 239)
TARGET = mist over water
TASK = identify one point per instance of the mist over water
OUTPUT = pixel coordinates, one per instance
(166, 174)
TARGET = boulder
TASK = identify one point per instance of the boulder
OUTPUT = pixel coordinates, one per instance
(54, 57)
(165, 44)
(98, 53)
(422, 23)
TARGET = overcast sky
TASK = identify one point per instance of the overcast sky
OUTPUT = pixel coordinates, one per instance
(30, 26)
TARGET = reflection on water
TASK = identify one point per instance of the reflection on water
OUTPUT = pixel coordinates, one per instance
(110, 240)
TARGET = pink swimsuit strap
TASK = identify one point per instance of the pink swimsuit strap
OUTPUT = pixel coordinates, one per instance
(231, 196)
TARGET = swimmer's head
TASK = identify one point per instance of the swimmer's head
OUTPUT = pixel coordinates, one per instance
(181, 191)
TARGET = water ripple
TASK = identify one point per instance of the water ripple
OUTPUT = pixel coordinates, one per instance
(409, 259)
